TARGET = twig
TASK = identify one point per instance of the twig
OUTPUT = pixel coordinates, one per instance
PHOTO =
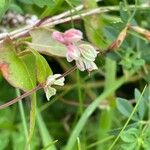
(58, 19)
(38, 87)
(41, 22)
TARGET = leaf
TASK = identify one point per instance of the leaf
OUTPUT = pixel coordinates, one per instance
(13, 68)
(3, 7)
(125, 108)
(130, 146)
(94, 26)
(29, 59)
(130, 135)
(124, 12)
(43, 70)
(43, 43)
(141, 107)
(117, 130)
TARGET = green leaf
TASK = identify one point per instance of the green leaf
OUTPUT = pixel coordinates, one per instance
(3, 7)
(42, 42)
(130, 135)
(130, 146)
(125, 108)
(29, 59)
(94, 26)
(117, 130)
(13, 68)
(141, 106)
(124, 13)
(43, 70)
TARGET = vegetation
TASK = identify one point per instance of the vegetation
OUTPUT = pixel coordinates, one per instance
(74, 75)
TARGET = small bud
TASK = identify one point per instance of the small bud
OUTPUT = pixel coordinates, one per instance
(116, 44)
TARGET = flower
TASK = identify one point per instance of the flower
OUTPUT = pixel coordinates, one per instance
(53, 80)
(87, 58)
(83, 54)
(68, 37)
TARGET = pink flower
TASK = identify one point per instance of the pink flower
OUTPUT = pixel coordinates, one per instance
(58, 36)
(73, 52)
(68, 37)
(83, 54)
(73, 35)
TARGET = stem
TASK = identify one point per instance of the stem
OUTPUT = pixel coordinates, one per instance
(59, 19)
(22, 116)
(79, 92)
(90, 109)
(40, 86)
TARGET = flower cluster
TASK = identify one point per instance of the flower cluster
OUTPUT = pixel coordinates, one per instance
(53, 80)
(83, 54)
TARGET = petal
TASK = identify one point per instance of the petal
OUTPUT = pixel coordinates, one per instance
(51, 80)
(73, 35)
(60, 81)
(73, 53)
(88, 51)
(90, 65)
(49, 91)
(58, 36)
(80, 64)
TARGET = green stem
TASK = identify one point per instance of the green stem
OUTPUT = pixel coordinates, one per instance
(131, 115)
(105, 119)
(100, 142)
(22, 113)
(90, 109)
(79, 92)
(32, 118)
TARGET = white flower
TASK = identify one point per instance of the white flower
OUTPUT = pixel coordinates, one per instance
(87, 57)
(84, 64)
(83, 54)
(53, 80)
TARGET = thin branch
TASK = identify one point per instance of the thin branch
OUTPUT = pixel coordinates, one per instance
(58, 19)
(38, 87)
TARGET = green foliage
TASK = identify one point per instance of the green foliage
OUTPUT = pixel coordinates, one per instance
(4, 4)
(105, 121)
(14, 70)
(125, 108)
(134, 139)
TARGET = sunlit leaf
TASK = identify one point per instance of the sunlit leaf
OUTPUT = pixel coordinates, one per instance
(13, 68)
